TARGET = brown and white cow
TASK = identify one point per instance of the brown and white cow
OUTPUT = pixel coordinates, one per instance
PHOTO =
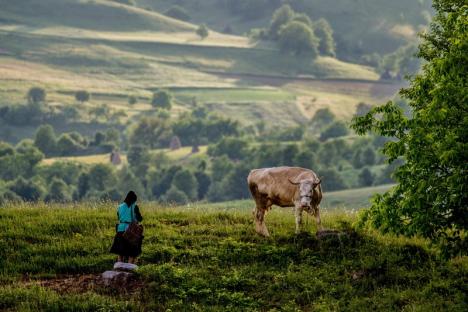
(285, 187)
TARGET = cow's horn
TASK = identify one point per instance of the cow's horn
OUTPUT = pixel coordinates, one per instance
(295, 183)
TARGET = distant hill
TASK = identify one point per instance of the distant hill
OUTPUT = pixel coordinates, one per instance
(360, 26)
(87, 14)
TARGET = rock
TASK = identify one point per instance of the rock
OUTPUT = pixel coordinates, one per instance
(118, 278)
(126, 267)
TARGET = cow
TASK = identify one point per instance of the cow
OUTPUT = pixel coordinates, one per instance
(285, 187)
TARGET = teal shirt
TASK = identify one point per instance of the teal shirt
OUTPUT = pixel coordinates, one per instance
(125, 214)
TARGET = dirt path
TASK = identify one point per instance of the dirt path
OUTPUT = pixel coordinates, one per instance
(83, 283)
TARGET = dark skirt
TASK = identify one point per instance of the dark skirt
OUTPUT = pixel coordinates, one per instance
(123, 248)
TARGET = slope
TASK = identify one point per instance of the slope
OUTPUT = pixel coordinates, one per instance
(96, 15)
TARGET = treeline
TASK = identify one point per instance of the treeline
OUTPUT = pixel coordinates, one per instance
(324, 144)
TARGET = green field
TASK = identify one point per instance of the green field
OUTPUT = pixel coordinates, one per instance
(208, 258)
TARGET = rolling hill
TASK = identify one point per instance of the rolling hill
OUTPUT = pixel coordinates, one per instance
(115, 50)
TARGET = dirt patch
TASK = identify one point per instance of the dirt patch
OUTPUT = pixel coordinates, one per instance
(85, 283)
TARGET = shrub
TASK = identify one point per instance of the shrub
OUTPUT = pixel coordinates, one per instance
(36, 95)
(202, 31)
(162, 99)
(82, 96)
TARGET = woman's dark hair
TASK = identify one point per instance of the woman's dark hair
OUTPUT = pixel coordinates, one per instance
(131, 198)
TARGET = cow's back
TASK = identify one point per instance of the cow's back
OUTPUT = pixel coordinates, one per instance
(275, 183)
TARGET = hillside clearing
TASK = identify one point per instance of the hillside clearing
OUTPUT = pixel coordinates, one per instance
(210, 259)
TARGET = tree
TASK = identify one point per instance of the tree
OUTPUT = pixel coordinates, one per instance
(27, 189)
(45, 140)
(58, 191)
(281, 17)
(366, 178)
(431, 192)
(305, 159)
(234, 148)
(36, 95)
(297, 38)
(324, 32)
(101, 177)
(162, 99)
(82, 96)
(138, 158)
(175, 196)
(185, 181)
(128, 181)
(132, 100)
(202, 31)
(332, 181)
(204, 182)
(152, 132)
(335, 130)
(178, 12)
(303, 18)
(67, 145)
(368, 157)
(322, 117)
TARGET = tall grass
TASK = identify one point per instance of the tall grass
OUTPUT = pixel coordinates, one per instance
(206, 257)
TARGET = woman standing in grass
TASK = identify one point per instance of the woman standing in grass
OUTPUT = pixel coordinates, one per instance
(127, 213)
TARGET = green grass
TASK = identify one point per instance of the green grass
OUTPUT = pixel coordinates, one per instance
(208, 258)
(96, 14)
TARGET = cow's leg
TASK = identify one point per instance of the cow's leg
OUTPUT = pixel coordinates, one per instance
(298, 214)
(261, 205)
(260, 226)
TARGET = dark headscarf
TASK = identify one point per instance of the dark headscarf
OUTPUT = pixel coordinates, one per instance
(131, 198)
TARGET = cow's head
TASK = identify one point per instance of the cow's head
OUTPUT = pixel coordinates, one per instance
(306, 191)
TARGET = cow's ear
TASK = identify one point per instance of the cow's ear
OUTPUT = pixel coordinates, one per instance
(292, 182)
(317, 182)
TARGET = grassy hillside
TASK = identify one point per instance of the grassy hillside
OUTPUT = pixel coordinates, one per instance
(360, 27)
(96, 15)
(208, 258)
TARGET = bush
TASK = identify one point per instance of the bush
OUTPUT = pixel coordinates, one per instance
(132, 100)
(202, 31)
(162, 99)
(82, 96)
(36, 95)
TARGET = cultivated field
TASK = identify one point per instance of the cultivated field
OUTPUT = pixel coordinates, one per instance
(208, 258)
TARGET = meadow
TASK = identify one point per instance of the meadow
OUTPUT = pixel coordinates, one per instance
(207, 257)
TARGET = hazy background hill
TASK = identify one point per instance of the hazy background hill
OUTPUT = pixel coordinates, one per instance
(236, 84)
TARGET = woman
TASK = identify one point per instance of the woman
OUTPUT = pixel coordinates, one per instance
(127, 213)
